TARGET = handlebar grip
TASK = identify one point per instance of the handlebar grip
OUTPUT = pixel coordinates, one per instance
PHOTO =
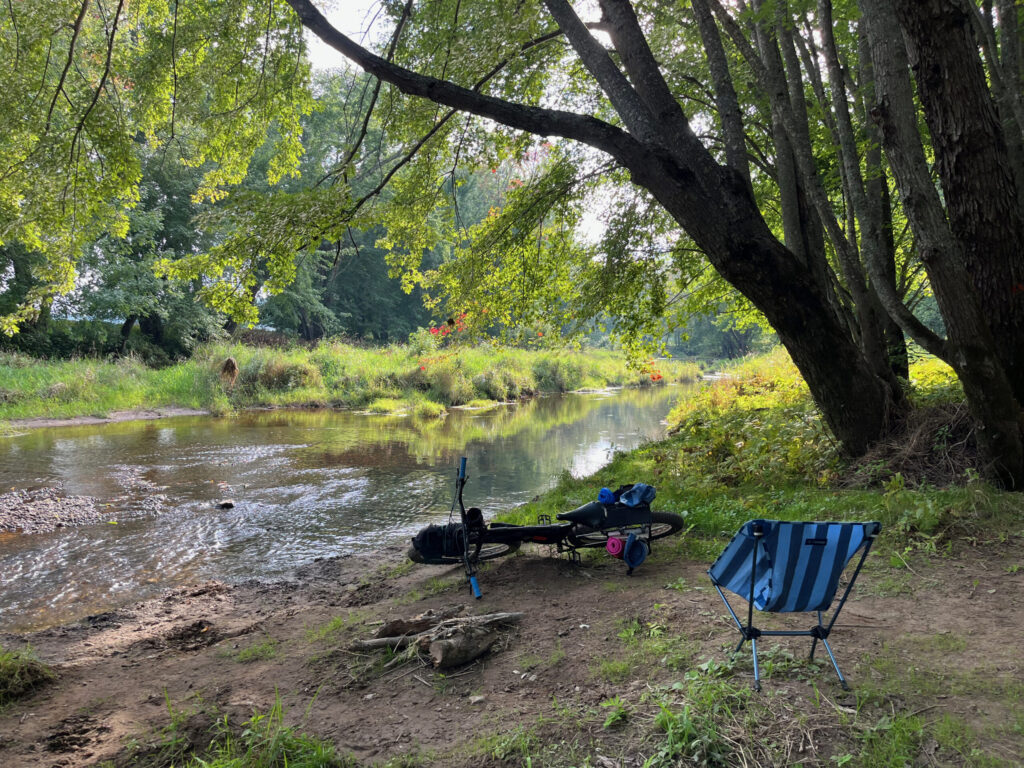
(462, 468)
(474, 586)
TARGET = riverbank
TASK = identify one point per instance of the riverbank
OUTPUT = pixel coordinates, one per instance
(603, 669)
(423, 380)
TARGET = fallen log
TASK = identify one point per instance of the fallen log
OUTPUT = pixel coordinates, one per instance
(461, 647)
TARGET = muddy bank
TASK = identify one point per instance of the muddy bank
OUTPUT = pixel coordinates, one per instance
(590, 635)
(137, 414)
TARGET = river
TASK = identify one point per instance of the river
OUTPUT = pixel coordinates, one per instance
(305, 484)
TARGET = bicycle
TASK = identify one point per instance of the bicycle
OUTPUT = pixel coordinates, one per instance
(620, 528)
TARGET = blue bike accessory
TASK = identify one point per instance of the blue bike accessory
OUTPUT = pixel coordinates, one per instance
(640, 493)
(635, 553)
(606, 496)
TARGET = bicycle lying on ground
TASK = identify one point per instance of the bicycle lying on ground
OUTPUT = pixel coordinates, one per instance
(625, 531)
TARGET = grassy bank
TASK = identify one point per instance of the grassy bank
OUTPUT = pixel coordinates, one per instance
(418, 378)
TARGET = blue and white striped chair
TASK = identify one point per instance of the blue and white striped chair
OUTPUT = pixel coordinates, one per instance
(783, 567)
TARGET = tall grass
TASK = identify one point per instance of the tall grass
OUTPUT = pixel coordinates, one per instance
(396, 378)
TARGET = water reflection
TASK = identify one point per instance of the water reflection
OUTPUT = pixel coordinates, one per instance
(306, 484)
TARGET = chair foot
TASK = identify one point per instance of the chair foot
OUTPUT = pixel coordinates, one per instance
(757, 686)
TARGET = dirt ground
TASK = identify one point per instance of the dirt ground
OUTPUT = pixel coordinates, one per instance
(942, 638)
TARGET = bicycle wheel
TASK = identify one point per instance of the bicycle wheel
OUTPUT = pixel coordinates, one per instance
(662, 524)
(488, 551)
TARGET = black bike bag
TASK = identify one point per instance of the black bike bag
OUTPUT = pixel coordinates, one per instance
(437, 541)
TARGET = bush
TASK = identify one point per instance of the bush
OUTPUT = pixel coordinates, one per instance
(280, 373)
(428, 409)
(558, 374)
(447, 382)
(504, 382)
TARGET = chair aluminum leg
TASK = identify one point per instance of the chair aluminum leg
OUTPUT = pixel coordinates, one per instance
(842, 680)
(757, 671)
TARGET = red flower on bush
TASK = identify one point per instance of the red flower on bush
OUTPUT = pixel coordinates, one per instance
(435, 331)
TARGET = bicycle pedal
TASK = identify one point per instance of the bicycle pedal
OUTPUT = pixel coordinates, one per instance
(543, 519)
(574, 557)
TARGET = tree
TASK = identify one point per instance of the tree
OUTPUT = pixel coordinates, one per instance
(120, 283)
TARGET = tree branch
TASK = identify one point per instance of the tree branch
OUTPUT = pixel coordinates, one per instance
(67, 65)
(544, 122)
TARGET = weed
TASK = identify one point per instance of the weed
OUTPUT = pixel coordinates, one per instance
(892, 740)
(618, 711)
(335, 626)
(612, 670)
(21, 672)
(259, 652)
(518, 742)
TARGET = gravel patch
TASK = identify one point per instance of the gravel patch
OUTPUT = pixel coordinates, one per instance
(47, 509)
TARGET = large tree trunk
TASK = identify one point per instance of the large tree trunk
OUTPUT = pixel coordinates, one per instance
(970, 350)
(973, 164)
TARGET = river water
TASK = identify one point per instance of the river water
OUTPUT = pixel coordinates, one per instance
(305, 485)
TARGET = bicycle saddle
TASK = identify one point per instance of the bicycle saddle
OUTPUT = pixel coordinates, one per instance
(591, 515)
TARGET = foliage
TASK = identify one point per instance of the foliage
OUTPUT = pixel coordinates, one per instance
(85, 82)
(750, 445)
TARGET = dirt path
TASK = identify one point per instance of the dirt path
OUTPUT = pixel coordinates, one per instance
(944, 639)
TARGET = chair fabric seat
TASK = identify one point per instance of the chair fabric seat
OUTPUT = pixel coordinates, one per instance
(798, 564)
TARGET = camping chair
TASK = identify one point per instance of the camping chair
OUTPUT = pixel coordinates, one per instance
(784, 567)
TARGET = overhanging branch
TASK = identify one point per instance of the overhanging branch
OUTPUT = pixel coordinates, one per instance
(537, 120)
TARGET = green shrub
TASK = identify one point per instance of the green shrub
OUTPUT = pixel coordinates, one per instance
(504, 382)
(447, 382)
(558, 373)
(281, 373)
(428, 409)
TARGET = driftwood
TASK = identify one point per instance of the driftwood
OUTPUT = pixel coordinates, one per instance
(450, 642)
(461, 646)
(417, 624)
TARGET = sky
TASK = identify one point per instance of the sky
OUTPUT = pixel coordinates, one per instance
(352, 17)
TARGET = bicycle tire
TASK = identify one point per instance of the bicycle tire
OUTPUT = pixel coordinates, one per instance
(662, 524)
(488, 551)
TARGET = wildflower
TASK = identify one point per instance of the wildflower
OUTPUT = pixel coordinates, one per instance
(539, 333)
(435, 331)
(423, 367)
